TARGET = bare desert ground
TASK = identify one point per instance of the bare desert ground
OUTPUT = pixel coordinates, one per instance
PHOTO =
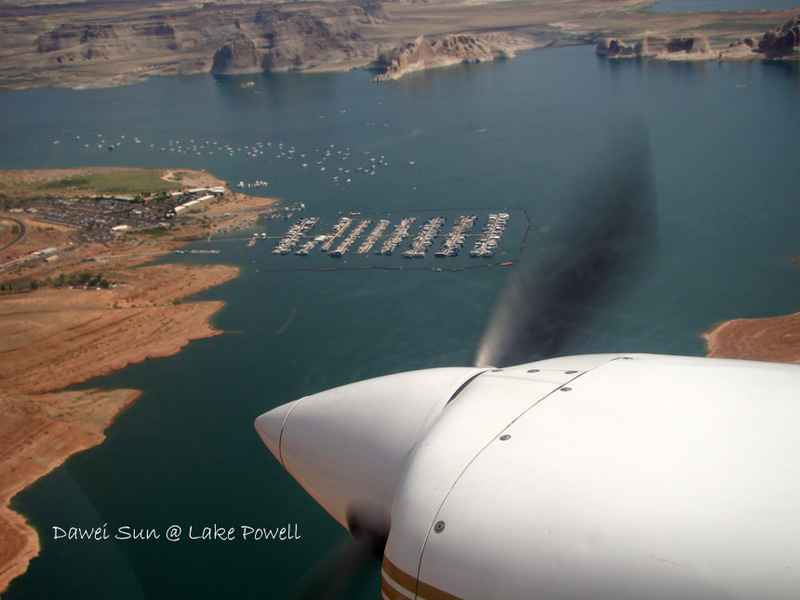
(775, 339)
(59, 335)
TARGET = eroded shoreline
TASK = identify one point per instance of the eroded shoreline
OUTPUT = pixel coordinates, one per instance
(773, 339)
(59, 336)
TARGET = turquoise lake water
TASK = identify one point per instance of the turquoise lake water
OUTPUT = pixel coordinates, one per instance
(525, 134)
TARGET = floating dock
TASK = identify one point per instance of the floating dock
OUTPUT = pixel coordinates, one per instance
(306, 247)
(337, 231)
(367, 245)
(294, 233)
(423, 240)
(398, 235)
(490, 237)
(485, 243)
(457, 236)
(351, 238)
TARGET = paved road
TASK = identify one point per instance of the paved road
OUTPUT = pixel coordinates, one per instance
(22, 231)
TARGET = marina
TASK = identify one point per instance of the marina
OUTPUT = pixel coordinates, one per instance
(350, 239)
(352, 230)
(287, 313)
(424, 239)
(367, 245)
(295, 232)
(398, 235)
(457, 236)
(490, 237)
(337, 231)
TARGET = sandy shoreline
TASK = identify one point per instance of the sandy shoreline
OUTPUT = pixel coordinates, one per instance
(55, 337)
(775, 339)
(39, 437)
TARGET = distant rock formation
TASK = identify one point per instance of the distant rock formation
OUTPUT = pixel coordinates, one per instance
(780, 43)
(71, 42)
(658, 47)
(613, 48)
(783, 42)
(744, 49)
(421, 54)
(237, 55)
(241, 39)
(279, 41)
(302, 41)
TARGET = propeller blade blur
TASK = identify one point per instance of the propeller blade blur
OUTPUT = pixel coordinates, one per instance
(340, 575)
(605, 233)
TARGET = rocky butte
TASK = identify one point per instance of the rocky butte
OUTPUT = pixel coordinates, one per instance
(779, 44)
(449, 50)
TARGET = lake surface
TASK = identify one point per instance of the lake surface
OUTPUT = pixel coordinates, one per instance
(525, 134)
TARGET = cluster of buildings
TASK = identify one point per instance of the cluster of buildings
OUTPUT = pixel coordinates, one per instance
(101, 218)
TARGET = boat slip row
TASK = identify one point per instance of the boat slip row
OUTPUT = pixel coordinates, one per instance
(369, 234)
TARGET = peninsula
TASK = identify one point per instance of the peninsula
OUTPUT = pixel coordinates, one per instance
(72, 306)
(91, 43)
(770, 339)
(774, 339)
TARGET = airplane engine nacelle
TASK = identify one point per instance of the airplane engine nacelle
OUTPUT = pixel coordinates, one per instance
(605, 477)
(348, 446)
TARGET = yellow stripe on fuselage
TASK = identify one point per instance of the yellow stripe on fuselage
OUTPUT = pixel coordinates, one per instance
(396, 584)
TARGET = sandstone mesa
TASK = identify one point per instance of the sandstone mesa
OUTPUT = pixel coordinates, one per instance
(782, 43)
